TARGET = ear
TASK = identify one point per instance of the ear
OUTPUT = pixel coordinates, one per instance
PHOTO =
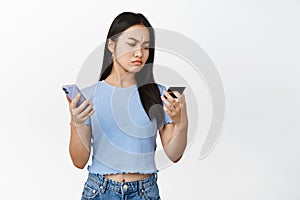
(111, 45)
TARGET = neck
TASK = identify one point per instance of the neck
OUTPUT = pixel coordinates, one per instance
(120, 77)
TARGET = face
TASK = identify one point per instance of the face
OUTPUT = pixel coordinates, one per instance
(131, 49)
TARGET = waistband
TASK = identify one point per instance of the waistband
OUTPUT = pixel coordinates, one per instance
(122, 187)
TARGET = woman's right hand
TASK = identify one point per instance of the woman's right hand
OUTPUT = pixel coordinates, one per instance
(81, 113)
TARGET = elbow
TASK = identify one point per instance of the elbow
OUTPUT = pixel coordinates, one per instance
(79, 165)
(176, 160)
(79, 161)
(174, 156)
(178, 155)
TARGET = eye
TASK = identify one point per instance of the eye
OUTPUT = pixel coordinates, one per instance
(131, 44)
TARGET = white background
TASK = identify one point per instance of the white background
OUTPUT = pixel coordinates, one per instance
(254, 45)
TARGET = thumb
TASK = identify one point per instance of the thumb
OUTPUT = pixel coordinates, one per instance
(68, 99)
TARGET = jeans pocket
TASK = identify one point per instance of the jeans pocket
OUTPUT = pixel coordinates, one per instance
(91, 189)
(151, 192)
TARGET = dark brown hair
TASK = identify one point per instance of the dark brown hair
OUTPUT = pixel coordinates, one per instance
(147, 88)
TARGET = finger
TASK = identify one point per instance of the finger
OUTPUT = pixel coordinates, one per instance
(82, 106)
(86, 111)
(75, 101)
(181, 99)
(177, 109)
(167, 103)
(87, 116)
(182, 95)
(167, 111)
(177, 94)
(175, 101)
(169, 97)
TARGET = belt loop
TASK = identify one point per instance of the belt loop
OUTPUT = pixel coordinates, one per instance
(140, 188)
(104, 184)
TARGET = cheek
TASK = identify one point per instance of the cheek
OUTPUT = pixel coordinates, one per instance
(123, 55)
(121, 50)
(125, 58)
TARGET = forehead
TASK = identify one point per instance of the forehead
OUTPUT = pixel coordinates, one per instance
(139, 32)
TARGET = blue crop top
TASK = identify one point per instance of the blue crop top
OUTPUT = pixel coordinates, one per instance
(123, 137)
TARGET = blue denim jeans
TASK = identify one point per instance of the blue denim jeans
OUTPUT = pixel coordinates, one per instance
(98, 187)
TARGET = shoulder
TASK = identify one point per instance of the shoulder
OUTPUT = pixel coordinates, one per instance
(89, 90)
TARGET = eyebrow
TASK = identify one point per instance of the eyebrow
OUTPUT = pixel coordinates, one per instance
(137, 40)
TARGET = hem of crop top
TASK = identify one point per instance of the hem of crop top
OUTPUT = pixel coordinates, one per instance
(129, 173)
(123, 172)
(114, 173)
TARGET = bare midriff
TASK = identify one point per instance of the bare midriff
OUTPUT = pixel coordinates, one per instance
(126, 177)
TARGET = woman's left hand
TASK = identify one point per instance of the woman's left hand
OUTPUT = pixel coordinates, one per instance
(176, 108)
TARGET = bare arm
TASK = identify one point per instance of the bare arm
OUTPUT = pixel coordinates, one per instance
(80, 144)
(174, 135)
(80, 140)
(174, 140)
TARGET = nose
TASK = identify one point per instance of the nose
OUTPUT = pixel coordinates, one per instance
(138, 52)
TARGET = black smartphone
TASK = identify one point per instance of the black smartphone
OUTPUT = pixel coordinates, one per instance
(178, 89)
(71, 91)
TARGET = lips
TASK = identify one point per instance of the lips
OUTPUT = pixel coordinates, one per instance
(137, 62)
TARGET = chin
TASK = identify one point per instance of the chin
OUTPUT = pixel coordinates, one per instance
(135, 69)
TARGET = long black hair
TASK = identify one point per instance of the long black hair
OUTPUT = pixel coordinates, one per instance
(147, 88)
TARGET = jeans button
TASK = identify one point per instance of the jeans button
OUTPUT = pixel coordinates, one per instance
(125, 187)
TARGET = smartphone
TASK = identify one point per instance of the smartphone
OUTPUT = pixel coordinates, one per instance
(71, 91)
(178, 89)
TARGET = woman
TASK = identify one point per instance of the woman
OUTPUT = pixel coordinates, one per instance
(121, 116)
